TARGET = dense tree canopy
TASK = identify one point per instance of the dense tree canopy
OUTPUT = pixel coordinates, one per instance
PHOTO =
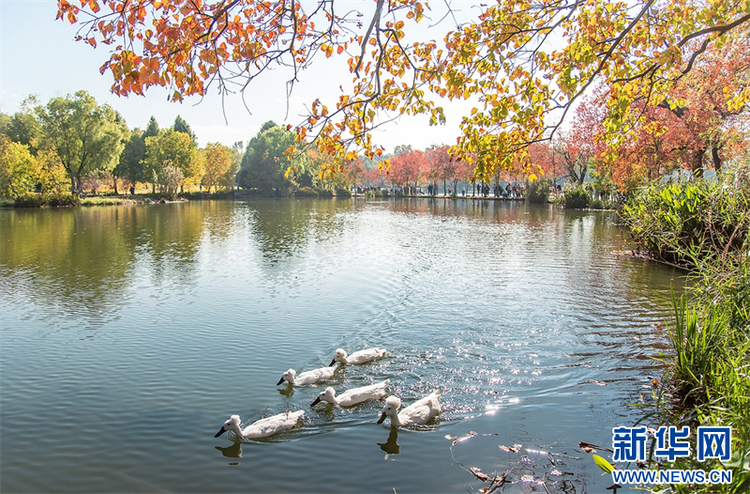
(408, 167)
(180, 125)
(85, 135)
(168, 155)
(130, 165)
(523, 63)
(19, 170)
(220, 167)
(265, 161)
(23, 127)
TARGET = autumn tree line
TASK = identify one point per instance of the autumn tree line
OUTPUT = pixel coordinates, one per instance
(73, 144)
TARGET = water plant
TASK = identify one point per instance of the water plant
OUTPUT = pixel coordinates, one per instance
(687, 223)
(703, 226)
(49, 200)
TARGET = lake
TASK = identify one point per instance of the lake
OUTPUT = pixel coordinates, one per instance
(130, 334)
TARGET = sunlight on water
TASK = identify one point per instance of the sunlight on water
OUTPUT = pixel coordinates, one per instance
(134, 332)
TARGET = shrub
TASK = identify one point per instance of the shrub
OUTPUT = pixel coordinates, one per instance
(687, 220)
(576, 198)
(42, 200)
(306, 192)
(537, 192)
(63, 200)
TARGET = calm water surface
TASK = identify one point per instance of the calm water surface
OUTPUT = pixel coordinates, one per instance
(130, 334)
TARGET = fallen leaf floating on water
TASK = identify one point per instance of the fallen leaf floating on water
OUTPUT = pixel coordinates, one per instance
(587, 447)
(598, 383)
(460, 439)
(513, 449)
(479, 474)
(592, 448)
(530, 478)
(556, 472)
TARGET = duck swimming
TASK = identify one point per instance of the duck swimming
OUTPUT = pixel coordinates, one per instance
(309, 377)
(263, 427)
(358, 358)
(418, 413)
(353, 396)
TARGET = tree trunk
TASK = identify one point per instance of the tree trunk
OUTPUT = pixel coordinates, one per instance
(698, 163)
(582, 177)
(716, 158)
(75, 184)
(114, 179)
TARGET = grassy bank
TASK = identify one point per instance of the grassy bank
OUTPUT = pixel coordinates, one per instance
(703, 226)
(63, 200)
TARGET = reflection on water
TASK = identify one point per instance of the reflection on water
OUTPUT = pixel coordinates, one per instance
(135, 331)
(233, 451)
(391, 446)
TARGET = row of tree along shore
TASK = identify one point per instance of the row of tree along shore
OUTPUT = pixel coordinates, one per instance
(73, 149)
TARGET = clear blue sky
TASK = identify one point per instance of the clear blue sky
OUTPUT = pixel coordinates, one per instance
(38, 56)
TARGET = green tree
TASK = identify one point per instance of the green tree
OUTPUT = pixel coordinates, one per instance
(4, 122)
(85, 135)
(265, 162)
(52, 175)
(401, 149)
(169, 148)
(130, 165)
(152, 129)
(23, 126)
(180, 125)
(19, 170)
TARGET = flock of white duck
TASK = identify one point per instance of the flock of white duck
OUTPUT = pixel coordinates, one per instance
(418, 413)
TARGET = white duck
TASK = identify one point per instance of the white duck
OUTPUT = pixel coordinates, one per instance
(358, 358)
(353, 396)
(418, 413)
(309, 377)
(263, 427)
